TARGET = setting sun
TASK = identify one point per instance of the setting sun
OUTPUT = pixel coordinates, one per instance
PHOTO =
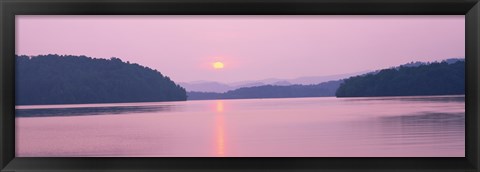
(218, 65)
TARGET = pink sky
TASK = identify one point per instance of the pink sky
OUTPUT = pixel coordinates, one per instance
(251, 47)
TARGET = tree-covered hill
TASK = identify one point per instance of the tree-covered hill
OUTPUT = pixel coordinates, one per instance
(55, 79)
(271, 91)
(437, 78)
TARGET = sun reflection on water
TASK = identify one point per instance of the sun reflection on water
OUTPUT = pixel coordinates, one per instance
(220, 133)
(219, 106)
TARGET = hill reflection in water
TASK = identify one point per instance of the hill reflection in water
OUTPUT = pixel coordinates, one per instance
(83, 111)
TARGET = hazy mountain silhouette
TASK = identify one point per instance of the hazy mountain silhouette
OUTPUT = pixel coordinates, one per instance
(271, 91)
(55, 79)
(252, 83)
(282, 83)
(217, 87)
(206, 86)
(319, 79)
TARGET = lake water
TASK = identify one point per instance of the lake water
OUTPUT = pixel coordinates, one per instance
(426, 126)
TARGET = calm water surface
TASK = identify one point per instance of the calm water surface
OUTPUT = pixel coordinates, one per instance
(291, 127)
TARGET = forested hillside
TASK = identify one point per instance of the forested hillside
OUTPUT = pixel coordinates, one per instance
(55, 79)
(438, 78)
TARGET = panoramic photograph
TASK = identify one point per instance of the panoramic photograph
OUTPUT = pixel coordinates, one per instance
(240, 86)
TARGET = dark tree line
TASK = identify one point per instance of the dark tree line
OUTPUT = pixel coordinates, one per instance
(271, 91)
(55, 79)
(438, 78)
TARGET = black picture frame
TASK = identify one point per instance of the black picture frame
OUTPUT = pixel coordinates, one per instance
(10, 8)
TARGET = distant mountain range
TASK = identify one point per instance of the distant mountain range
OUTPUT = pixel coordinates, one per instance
(217, 87)
(414, 78)
(324, 89)
(206, 86)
